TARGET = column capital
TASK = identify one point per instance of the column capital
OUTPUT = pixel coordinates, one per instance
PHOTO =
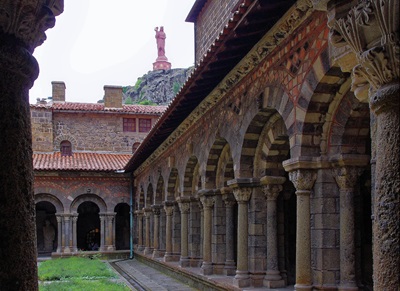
(147, 212)
(272, 186)
(74, 218)
(207, 201)
(184, 204)
(303, 179)
(156, 208)
(139, 213)
(346, 177)
(243, 187)
(169, 209)
(370, 29)
(58, 218)
(227, 196)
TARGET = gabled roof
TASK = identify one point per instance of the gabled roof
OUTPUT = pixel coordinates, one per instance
(99, 108)
(97, 162)
(252, 20)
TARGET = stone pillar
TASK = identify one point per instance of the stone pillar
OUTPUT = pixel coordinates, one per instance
(230, 202)
(242, 191)
(184, 206)
(195, 232)
(207, 200)
(110, 232)
(272, 186)
(303, 181)
(59, 233)
(147, 214)
(370, 32)
(67, 233)
(169, 210)
(102, 247)
(346, 178)
(139, 215)
(22, 29)
(156, 246)
(74, 232)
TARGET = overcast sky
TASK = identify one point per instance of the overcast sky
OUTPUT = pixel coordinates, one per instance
(102, 42)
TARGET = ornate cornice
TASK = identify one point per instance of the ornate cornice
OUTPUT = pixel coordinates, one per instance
(371, 30)
(278, 34)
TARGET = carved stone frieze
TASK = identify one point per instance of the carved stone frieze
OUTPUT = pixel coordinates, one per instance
(370, 29)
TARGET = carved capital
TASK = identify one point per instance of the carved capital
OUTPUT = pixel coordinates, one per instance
(169, 210)
(207, 201)
(58, 218)
(156, 209)
(303, 179)
(243, 194)
(139, 213)
(184, 207)
(147, 212)
(346, 177)
(370, 29)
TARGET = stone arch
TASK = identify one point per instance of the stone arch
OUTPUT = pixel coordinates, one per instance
(60, 138)
(140, 199)
(50, 198)
(250, 142)
(212, 163)
(173, 185)
(225, 167)
(272, 149)
(88, 197)
(159, 190)
(149, 196)
(192, 177)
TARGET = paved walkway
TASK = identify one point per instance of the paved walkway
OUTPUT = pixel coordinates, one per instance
(139, 276)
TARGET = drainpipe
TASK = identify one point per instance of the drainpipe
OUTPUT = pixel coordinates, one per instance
(131, 217)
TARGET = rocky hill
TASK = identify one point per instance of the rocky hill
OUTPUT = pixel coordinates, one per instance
(156, 87)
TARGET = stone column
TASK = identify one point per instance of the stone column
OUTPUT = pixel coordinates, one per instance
(67, 233)
(370, 31)
(59, 233)
(156, 246)
(242, 191)
(102, 247)
(272, 186)
(346, 178)
(110, 231)
(303, 181)
(184, 206)
(22, 28)
(169, 210)
(74, 232)
(147, 214)
(230, 202)
(139, 215)
(207, 200)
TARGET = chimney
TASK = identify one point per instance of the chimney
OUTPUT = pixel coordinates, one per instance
(112, 96)
(58, 91)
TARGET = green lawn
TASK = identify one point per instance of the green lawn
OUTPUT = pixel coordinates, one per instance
(77, 273)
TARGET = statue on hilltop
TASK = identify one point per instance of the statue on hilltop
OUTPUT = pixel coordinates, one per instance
(161, 62)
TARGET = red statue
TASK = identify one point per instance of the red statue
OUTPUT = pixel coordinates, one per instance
(161, 62)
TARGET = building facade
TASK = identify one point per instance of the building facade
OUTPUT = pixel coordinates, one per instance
(273, 171)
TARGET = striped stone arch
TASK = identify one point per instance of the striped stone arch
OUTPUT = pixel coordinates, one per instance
(224, 167)
(45, 197)
(60, 138)
(149, 195)
(212, 163)
(140, 198)
(191, 180)
(173, 185)
(272, 149)
(159, 195)
(88, 198)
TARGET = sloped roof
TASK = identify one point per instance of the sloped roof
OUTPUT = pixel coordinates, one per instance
(98, 162)
(99, 107)
(247, 26)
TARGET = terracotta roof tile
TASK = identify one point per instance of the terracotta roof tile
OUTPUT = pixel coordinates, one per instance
(99, 107)
(79, 162)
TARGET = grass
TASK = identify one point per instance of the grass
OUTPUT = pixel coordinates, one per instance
(77, 273)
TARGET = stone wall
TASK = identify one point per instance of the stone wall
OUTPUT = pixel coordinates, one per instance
(42, 129)
(210, 22)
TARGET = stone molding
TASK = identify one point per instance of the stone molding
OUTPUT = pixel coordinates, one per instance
(376, 50)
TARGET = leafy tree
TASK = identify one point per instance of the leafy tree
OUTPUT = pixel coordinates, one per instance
(128, 101)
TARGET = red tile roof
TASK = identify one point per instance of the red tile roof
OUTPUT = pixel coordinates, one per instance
(79, 162)
(99, 107)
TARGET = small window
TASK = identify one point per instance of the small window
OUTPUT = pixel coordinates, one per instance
(130, 124)
(135, 146)
(65, 148)
(144, 124)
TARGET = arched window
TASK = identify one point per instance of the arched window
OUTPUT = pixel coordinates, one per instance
(65, 148)
(135, 146)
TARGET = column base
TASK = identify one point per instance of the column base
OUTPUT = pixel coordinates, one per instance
(274, 284)
(67, 250)
(302, 287)
(242, 279)
(206, 268)
(218, 269)
(256, 279)
(168, 257)
(148, 251)
(347, 288)
(196, 262)
(74, 249)
(110, 248)
(230, 268)
(156, 254)
(184, 262)
(273, 279)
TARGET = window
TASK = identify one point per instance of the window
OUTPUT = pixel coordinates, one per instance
(144, 124)
(65, 148)
(130, 124)
(135, 146)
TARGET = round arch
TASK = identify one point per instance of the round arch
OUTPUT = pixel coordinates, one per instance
(173, 185)
(225, 167)
(191, 179)
(159, 190)
(50, 198)
(88, 198)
